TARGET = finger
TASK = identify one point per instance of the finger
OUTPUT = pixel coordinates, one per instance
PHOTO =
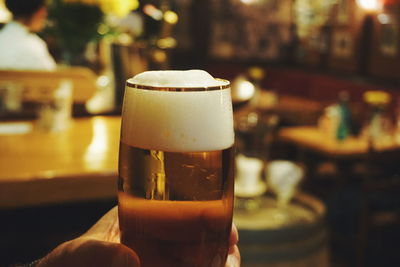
(106, 228)
(233, 259)
(83, 252)
(125, 257)
(98, 253)
(109, 218)
(234, 237)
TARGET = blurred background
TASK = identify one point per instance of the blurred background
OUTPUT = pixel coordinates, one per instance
(316, 99)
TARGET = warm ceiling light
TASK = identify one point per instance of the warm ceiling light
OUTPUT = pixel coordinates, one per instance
(252, 2)
(171, 17)
(369, 4)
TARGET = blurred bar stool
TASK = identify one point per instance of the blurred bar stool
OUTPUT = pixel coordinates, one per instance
(380, 204)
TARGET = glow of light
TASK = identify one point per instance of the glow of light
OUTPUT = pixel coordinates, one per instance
(247, 2)
(5, 15)
(171, 17)
(250, 2)
(103, 81)
(95, 154)
(245, 90)
(103, 29)
(153, 12)
(369, 4)
(166, 43)
(160, 56)
(124, 38)
(384, 18)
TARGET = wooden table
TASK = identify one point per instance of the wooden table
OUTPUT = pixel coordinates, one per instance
(316, 146)
(77, 164)
(312, 138)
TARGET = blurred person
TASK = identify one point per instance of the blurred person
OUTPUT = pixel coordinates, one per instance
(100, 246)
(20, 47)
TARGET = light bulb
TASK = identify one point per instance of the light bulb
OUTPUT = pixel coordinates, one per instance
(369, 4)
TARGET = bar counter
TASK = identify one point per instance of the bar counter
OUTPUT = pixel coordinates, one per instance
(39, 167)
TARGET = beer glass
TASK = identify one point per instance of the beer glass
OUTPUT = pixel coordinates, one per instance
(175, 194)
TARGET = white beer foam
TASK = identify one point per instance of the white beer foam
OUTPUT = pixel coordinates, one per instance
(174, 78)
(177, 121)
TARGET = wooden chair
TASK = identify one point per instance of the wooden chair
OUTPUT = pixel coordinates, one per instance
(380, 198)
(38, 85)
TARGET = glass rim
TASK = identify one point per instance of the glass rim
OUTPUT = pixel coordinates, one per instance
(226, 85)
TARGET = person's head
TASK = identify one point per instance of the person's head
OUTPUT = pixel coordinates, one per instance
(32, 13)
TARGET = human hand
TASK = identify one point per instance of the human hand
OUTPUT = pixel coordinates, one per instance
(100, 246)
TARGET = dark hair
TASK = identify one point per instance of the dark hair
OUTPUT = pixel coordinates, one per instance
(24, 8)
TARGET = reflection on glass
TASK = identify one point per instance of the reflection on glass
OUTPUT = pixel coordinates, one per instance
(95, 155)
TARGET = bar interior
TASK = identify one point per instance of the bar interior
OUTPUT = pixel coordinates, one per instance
(316, 103)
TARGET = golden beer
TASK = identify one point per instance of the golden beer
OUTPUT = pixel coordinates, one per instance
(176, 172)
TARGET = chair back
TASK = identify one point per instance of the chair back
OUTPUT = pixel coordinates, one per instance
(39, 85)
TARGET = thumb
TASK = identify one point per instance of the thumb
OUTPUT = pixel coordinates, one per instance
(124, 257)
(83, 252)
(110, 254)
